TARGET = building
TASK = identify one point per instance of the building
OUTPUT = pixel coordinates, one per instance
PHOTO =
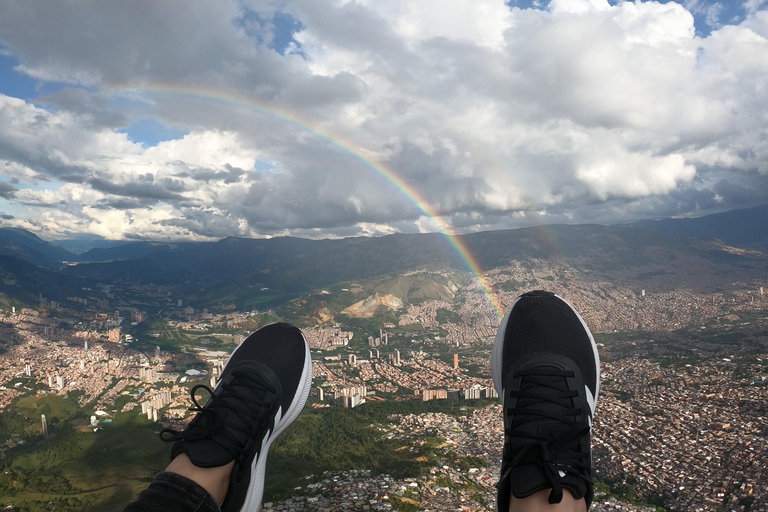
(397, 358)
(59, 382)
(114, 334)
(148, 375)
(434, 394)
(320, 394)
(45, 425)
(86, 345)
(455, 361)
(28, 370)
(238, 339)
(352, 359)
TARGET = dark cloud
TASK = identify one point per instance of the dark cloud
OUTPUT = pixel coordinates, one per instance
(121, 204)
(144, 190)
(7, 191)
(6, 216)
(90, 106)
(228, 176)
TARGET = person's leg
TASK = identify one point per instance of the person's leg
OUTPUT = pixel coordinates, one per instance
(539, 502)
(218, 461)
(215, 480)
(546, 370)
(171, 492)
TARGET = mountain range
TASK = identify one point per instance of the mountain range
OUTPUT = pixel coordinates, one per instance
(235, 268)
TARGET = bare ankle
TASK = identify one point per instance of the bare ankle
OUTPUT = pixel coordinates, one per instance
(539, 502)
(214, 480)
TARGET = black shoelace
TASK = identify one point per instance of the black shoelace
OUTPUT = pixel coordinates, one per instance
(244, 396)
(556, 456)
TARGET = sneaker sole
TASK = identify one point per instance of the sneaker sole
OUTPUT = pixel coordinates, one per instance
(498, 350)
(256, 491)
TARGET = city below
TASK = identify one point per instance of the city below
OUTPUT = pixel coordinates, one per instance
(401, 391)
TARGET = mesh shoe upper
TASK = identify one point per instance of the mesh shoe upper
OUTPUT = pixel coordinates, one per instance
(243, 406)
(546, 371)
(262, 389)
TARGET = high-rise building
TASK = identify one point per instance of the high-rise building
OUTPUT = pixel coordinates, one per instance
(352, 359)
(157, 352)
(28, 370)
(148, 375)
(473, 393)
(50, 381)
(59, 382)
(45, 425)
(455, 361)
(397, 357)
(86, 345)
(179, 303)
(320, 394)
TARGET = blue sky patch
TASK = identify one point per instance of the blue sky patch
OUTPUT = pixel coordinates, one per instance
(149, 132)
(19, 85)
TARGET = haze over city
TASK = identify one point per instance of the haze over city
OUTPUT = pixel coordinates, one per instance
(192, 120)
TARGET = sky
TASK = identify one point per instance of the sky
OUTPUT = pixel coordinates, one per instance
(197, 120)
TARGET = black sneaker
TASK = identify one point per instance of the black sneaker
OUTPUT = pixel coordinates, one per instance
(547, 372)
(262, 389)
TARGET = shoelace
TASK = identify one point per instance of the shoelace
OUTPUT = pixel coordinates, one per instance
(211, 420)
(554, 455)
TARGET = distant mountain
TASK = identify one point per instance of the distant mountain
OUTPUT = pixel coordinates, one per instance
(81, 245)
(28, 247)
(131, 250)
(741, 228)
(24, 281)
(234, 269)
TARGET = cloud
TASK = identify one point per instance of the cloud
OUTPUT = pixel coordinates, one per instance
(7, 191)
(379, 112)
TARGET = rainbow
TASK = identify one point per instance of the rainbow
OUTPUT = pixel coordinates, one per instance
(237, 98)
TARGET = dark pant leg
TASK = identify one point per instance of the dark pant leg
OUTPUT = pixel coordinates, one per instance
(170, 492)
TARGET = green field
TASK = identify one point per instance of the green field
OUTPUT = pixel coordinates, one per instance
(80, 470)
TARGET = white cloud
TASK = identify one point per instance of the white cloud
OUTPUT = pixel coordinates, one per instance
(587, 110)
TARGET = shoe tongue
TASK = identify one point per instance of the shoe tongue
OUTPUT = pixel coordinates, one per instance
(530, 476)
(209, 451)
(549, 386)
(527, 479)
